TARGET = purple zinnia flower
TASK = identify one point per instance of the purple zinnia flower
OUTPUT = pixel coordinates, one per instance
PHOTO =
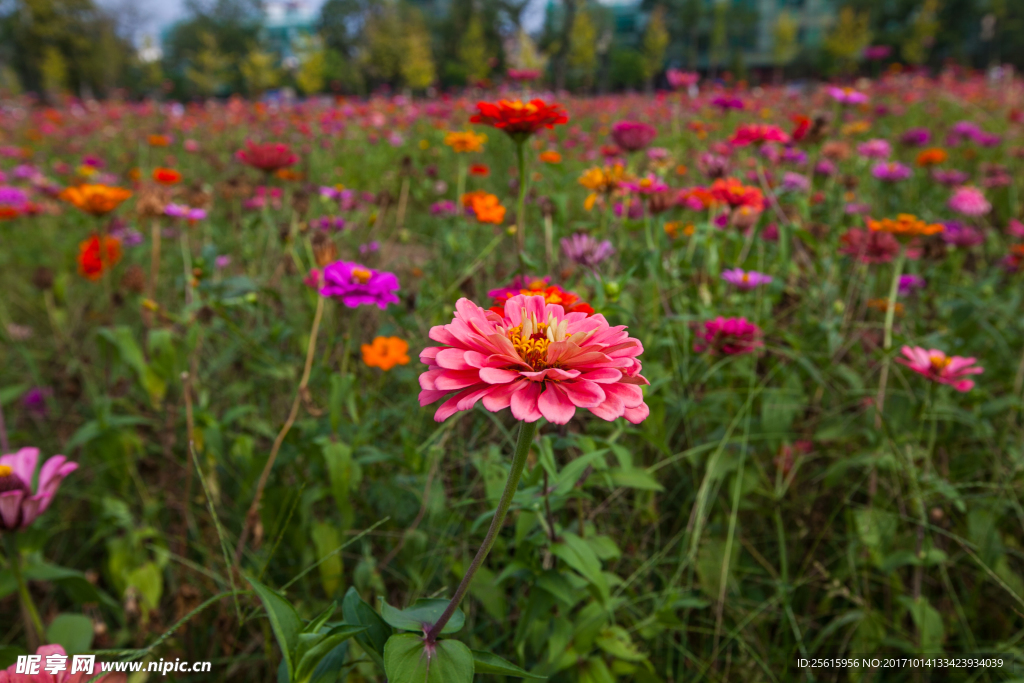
(714, 166)
(725, 103)
(12, 196)
(633, 136)
(949, 176)
(824, 167)
(369, 247)
(356, 285)
(34, 401)
(222, 261)
(795, 182)
(792, 155)
(875, 149)
(25, 172)
(444, 208)
(745, 279)
(959, 235)
(916, 137)
(584, 250)
(891, 171)
(908, 283)
(858, 208)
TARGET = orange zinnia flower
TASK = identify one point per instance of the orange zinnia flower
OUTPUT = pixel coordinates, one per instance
(465, 141)
(883, 305)
(520, 120)
(479, 170)
(932, 157)
(8, 212)
(386, 352)
(166, 176)
(485, 206)
(905, 225)
(734, 193)
(91, 263)
(97, 200)
(551, 157)
(156, 140)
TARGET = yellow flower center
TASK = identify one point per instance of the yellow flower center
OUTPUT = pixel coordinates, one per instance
(746, 277)
(6, 471)
(361, 275)
(532, 338)
(940, 362)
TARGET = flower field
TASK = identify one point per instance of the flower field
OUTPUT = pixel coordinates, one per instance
(684, 386)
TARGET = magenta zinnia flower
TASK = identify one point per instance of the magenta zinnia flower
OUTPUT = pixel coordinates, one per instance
(11, 675)
(730, 336)
(938, 367)
(536, 359)
(633, 136)
(908, 283)
(756, 132)
(891, 171)
(745, 279)
(19, 507)
(969, 201)
(847, 96)
(875, 149)
(356, 285)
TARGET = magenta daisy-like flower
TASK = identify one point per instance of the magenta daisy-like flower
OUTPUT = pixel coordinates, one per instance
(938, 367)
(744, 279)
(19, 506)
(730, 336)
(969, 201)
(847, 96)
(357, 285)
(891, 171)
(537, 360)
(633, 136)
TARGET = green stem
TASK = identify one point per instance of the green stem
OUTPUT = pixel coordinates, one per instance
(890, 315)
(521, 206)
(36, 631)
(186, 258)
(527, 430)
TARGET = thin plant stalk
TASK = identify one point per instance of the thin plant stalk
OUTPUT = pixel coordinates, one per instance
(154, 259)
(186, 259)
(521, 207)
(5, 445)
(527, 430)
(250, 518)
(890, 316)
(34, 625)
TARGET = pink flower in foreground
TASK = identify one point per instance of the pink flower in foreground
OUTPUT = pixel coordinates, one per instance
(10, 675)
(536, 359)
(18, 506)
(745, 279)
(847, 96)
(730, 336)
(969, 201)
(938, 367)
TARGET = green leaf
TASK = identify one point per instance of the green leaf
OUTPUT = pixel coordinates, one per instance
(122, 339)
(73, 632)
(327, 539)
(149, 581)
(635, 478)
(283, 620)
(357, 611)
(71, 580)
(319, 620)
(928, 622)
(344, 475)
(423, 614)
(615, 641)
(487, 663)
(312, 658)
(9, 655)
(408, 660)
(578, 555)
(330, 667)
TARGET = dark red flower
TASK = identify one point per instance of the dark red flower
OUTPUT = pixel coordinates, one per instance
(268, 157)
(873, 246)
(520, 120)
(802, 125)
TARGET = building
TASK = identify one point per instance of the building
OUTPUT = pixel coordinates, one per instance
(286, 23)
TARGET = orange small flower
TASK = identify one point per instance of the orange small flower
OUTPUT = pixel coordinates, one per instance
(8, 213)
(883, 305)
(157, 140)
(166, 176)
(97, 200)
(485, 206)
(681, 170)
(134, 174)
(932, 157)
(551, 157)
(288, 174)
(91, 263)
(480, 170)
(465, 141)
(905, 225)
(386, 352)
(676, 229)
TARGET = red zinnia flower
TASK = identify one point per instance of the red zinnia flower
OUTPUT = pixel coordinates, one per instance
(753, 133)
(268, 157)
(91, 263)
(479, 170)
(553, 294)
(802, 125)
(166, 176)
(520, 120)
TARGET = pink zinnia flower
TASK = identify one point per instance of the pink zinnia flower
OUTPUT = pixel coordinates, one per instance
(969, 201)
(681, 79)
(730, 336)
(875, 149)
(648, 185)
(745, 279)
(19, 507)
(633, 136)
(357, 285)
(847, 96)
(755, 132)
(11, 675)
(891, 171)
(536, 359)
(938, 367)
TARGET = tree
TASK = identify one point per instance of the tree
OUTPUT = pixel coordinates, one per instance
(583, 50)
(785, 46)
(563, 44)
(208, 69)
(525, 55)
(923, 28)
(383, 47)
(719, 35)
(846, 42)
(473, 51)
(655, 43)
(310, 75)
(259, 71)
(417, 69)
(341, 22)
(54, 71)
